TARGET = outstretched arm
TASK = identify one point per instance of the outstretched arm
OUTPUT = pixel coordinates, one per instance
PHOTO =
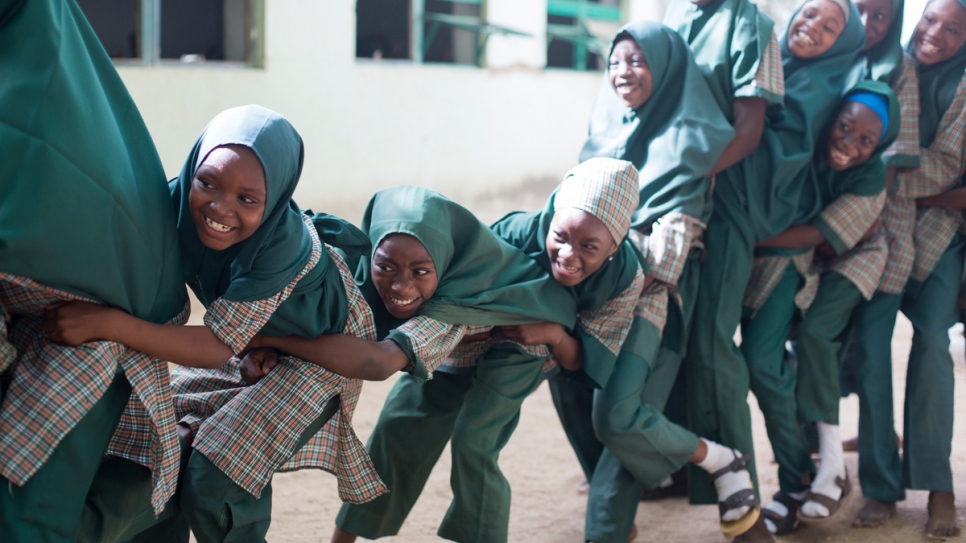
(749, 125)
(564, 347)
(346, 355)
(798, 236)
(955, 199)
(74, 323)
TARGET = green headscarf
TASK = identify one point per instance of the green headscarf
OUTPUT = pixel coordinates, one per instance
(770, 182)
(528, 231)
(865, 179)
(721, 34)
(83, 200)
(674, 138)
(262, 265)
(882, 62)
(482, 279)
(937, 88)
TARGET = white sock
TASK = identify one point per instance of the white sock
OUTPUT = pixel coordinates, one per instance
(718, 458)
(831, 465)
(781, 509)
(666, 482)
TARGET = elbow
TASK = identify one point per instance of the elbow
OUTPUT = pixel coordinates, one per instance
(380, 372)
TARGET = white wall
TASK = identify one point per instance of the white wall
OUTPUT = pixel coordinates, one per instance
(372, 124)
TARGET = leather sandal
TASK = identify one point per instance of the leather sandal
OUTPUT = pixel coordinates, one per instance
(832, 505)
(742, 498)
(784, 524)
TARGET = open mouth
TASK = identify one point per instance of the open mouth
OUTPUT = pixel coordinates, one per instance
(929, 48)
(401, 302)
(217, 226)
(567, 270)
(839, 157)
(804, 38)
(624, 88)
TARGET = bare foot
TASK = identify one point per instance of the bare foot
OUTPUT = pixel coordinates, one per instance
(757, 534)
(874, 513)
(341, 536)
(942, 516)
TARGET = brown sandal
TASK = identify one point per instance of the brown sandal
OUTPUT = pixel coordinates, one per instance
(832, 505)
(742, 498)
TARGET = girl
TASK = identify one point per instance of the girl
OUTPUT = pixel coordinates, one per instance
(436, 275)
(257, 264)
(851, 189)
(933, 271)
(758, 198)
(84, 216)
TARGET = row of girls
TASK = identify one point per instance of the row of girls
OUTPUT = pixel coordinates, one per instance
(800, 186)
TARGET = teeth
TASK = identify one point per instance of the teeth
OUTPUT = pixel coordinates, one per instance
(840, 158)
(568, 269)
(805, 38)
(217, 226)
(928, 48)
(397, 301)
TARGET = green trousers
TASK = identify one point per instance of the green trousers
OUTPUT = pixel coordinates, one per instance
(717, 375)
(817, 341)
(931, 307)
(477, 409)
(641, 446)
(217, 509)
(48, 507)
(773, 380)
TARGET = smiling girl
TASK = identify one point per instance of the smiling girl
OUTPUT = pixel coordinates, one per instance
(922, 280)
(850, 179)
(258, 265)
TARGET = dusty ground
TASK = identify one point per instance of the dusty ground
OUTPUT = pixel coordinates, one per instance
(544, 475)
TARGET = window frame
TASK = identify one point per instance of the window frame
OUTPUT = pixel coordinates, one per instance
(579, 34)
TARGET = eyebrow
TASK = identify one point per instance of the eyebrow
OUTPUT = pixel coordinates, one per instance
(424, 261)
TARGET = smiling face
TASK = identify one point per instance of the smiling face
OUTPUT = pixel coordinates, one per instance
(877, 18)
(404, 274)
(854, 136)
(629, 74)
(577, 244)
(940, 33)
(815, 28)
(227, 196)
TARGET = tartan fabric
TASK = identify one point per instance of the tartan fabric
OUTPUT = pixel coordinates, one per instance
(768, 271)
(652, 305)
(7, 352)
(668, 245)
(250, 432)
(466, 354)
(769, 80)
(899, 215)
(941, 168)
(611, 322)
(52, 387)
(604, 187)
(432, 341)
(850, 216)
(863, 265)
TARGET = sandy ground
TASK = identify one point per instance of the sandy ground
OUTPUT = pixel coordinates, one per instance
(544, 475)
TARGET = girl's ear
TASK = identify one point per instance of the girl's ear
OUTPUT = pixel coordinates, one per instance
(613, 248)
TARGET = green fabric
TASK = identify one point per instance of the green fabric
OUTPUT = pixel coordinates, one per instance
(817, 348)
(772, 380)
(48, 508)
(83, 205)
(528, 231)
(264, 264)
(880, 468)
(674, 138)
(937, 88)
(482, 279)
(728, 39)
(927, 433)
(413, 427)
(574, 404)
(882, 62)
(770, 181)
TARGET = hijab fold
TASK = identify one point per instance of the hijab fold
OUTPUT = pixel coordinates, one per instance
(83, 200)
(674, 139)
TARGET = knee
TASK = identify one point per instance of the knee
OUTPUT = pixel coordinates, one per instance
(613, 421)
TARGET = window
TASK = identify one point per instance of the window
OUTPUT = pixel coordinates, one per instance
(446, 31)
(186, 31)
(579, 32)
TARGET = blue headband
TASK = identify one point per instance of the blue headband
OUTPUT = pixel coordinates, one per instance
(878, 104)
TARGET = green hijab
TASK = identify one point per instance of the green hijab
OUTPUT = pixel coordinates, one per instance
(937, 88)
(674, 138)
(83, 200)
(867, 178)
(528, 231)
(882, 62)
(482, 279)
(770, 182)
(265, 263)
(724, 33)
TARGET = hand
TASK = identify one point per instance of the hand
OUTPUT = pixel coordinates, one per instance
(825, 252)
(479, 336)
(257, 363)
(540, 333)
(74, 323)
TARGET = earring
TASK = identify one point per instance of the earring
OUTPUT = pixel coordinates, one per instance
(611, 257)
